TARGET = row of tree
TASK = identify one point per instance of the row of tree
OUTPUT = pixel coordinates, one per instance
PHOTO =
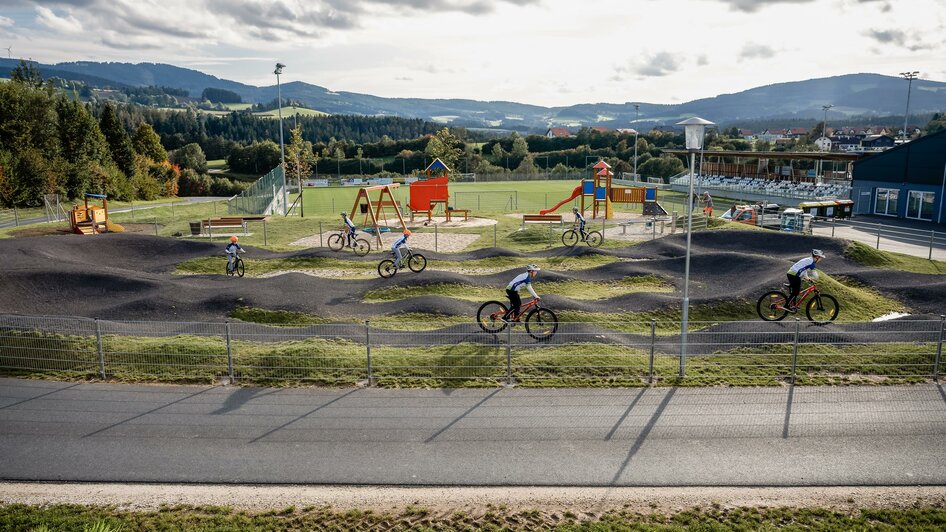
(51, 143)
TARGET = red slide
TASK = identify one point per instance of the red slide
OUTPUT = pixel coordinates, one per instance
(575, 194)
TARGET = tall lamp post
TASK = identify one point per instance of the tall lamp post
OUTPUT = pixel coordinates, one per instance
(282, 149)
(694, 128)
(909, 76)
(637, 115)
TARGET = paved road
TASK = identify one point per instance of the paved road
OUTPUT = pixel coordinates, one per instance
(851, 435)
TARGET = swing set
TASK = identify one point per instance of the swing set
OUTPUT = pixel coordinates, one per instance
(377, 209)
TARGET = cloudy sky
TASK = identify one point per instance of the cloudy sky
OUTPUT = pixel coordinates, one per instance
(543, 52)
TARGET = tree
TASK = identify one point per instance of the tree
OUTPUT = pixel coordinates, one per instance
(220, 96)
(298, 156)
(446, 147)
(119, 144)
(937, 123)
(497, 151)
(664, 166)
(527, 166)
(27, 74)
(190, 156)
(147, 143)
(520, 148)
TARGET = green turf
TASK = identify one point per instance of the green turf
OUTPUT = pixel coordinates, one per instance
(579, 290)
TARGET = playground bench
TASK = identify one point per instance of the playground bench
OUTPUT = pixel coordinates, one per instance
(527, 218)
(428, 212)
(224, 223)
(455, 212)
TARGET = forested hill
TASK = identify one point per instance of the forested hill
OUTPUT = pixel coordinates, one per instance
(850, 95)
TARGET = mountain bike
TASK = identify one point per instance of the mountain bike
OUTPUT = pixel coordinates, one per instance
(238, 267)
(541, 323)
(821, 308)
(339, 240)
(415, 261)
(571, 238)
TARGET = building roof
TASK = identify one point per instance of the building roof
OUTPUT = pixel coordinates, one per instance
(559, 132)
(920, 161)
(784, 155)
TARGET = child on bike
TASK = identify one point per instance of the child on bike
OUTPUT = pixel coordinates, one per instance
(232, 249)
(580, 220)
(351, 229)
(803, 268)
(512, 291)
(398, 244)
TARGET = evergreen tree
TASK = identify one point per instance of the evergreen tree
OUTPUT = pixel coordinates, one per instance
(123, 153)
(147, 143)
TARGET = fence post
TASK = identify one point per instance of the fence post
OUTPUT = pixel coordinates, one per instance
(673, 222)
(210, 230)
(494, 233)
(834, 223)
(878, 236)
(932, 235)
(264, 233)
(172, 211)
(436, 233)
(795, 349)
(229, 352)
(16, 217)
(604, 219)
(215, 207)
(98, 344)
(939, 348)
(368, 352)
(155, 227)
(133, 211)
(509, 380)
(550, 234)
(653, 341)
(320, 236)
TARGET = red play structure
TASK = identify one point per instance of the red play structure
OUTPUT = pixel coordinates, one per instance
(433, 191)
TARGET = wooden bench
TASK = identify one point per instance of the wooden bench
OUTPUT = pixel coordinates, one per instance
(428, 212)
(526, 218)
(224, 223)
(454, 212)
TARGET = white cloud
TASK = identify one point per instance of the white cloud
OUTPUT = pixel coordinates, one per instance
(5, 22)
(66, 24)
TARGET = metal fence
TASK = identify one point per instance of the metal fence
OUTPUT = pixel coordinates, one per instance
(889, 237)
(578, 354)
(268, 195)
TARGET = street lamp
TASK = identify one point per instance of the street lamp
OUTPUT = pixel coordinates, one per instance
(909, 76)
(694, 128)
(637, 115)
(824, 123)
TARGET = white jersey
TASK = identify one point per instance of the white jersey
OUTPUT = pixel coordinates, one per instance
(522, 281)
(802, 267)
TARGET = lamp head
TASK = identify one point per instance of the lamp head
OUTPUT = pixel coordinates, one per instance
(694, 128)
(279, 67)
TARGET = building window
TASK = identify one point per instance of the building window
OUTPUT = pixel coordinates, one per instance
(920, 205)
(885, 202)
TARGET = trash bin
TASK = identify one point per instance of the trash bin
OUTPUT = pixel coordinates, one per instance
(195, 228)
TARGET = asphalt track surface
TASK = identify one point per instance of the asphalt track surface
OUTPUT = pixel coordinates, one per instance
(790, 436)
(130, 277)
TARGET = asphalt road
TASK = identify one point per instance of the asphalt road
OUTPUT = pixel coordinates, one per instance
(818, 436)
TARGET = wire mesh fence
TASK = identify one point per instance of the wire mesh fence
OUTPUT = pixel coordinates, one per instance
(268, 195)
(576, 354)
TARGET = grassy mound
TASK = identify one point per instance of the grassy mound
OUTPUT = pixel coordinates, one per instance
(868, 256)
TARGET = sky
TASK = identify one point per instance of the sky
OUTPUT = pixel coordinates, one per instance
(541, 52)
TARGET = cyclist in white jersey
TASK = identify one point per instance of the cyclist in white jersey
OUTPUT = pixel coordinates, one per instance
(351, 229)
(580, 220)
(804, 268)
(398, 244)
(521, 281)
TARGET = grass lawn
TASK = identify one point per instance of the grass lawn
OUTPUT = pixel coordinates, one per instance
(890, 260)
(921, 516)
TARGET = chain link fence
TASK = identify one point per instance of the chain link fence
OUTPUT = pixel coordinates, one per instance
(579, 354)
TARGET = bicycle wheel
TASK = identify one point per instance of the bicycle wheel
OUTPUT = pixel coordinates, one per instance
(570, 238)
(822, 308)
(239, 267)
(417, 262)
(771, 306)
(229, 271)
(595, 239)
(541, 323)
(489, 314)
(336, 242)
(386, 268)
(362, 247)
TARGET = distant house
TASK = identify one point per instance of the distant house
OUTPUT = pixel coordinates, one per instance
(771, 135)
(600, 129)
(823, 143)
(558, 132)
(877, 142)
(796, 132)
(746, 134)
(846, 142)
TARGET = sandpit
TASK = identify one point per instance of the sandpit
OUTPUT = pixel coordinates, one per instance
(443, 242)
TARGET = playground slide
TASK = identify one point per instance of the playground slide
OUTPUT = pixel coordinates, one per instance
(575, 194)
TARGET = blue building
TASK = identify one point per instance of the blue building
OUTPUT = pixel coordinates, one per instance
(907, 181)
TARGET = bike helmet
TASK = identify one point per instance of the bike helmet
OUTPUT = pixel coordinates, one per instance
(817, 253)
(532, 268)
(407, 232)
(574, 209)
(233, 238)
(344, 214)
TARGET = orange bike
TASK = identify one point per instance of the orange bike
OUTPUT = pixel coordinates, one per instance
(820, 309)
(541, 323)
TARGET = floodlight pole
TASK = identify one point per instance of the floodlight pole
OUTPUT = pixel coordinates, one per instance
(909, 76)
(282, 148)
(637, 115)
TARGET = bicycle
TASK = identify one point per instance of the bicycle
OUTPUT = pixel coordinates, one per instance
(571, 238)
(820, 309)
(339, 240)
(415, 261)
(541, 323)
(238, 267)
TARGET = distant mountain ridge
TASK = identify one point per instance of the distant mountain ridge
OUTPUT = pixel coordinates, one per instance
(850, 94)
